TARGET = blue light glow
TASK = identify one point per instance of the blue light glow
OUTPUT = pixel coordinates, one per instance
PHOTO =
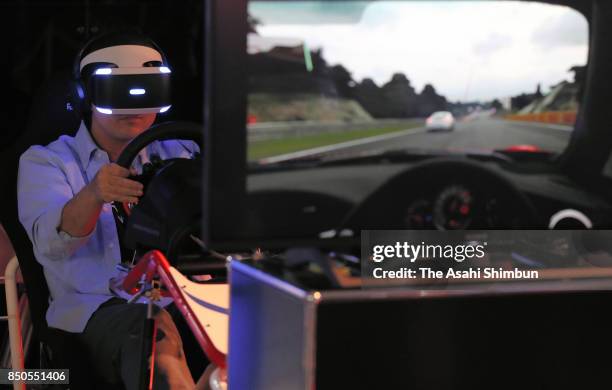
(164, 69)
(107, 111)
(164, 109)
(137, 91)
(103, 71)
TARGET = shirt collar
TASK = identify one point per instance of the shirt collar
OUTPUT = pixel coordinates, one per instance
(85, 145)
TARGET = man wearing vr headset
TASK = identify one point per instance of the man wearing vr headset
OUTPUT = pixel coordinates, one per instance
(65, 190)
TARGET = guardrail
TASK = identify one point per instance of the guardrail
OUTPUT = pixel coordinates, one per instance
(278, 130)
(557, 117)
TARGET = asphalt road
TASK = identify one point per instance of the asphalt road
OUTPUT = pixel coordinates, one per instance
(481, 134)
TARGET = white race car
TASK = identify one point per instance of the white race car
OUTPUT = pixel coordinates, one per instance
(440, 120)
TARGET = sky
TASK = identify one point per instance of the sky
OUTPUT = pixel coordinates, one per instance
(467, 50)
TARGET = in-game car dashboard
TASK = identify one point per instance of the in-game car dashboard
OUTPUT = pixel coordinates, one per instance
(432, 193)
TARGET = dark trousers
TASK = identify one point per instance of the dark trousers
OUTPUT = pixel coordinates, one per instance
(114, 334)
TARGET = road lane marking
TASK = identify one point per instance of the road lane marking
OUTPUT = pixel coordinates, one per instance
(341, 145)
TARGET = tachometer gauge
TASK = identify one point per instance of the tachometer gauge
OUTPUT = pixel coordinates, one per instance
(453, 208)
(418, 215)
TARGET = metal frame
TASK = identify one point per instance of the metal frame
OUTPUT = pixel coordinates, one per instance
(154, 264)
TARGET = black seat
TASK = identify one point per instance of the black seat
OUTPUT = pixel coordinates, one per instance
(49, 117)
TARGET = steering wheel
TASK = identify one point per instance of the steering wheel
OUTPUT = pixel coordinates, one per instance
(163, 131)
(383, 208)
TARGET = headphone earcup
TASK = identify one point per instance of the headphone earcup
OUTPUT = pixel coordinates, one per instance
(77, 101)
(82, 97)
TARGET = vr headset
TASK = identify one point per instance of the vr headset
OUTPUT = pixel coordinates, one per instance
(124, 79)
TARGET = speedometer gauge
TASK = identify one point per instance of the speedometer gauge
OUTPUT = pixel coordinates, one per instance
(453, 208)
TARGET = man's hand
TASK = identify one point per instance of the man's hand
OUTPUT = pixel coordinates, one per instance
(111, 184)
(81, 213)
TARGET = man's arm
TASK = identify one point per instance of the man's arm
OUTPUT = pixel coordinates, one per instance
(80, 214)
(48, 204)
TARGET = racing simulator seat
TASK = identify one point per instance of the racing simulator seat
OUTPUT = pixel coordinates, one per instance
(50, 117)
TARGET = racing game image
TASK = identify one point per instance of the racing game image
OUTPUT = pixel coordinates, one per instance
(299, 195)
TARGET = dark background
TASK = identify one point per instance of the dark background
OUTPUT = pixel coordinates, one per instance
(40, 40)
